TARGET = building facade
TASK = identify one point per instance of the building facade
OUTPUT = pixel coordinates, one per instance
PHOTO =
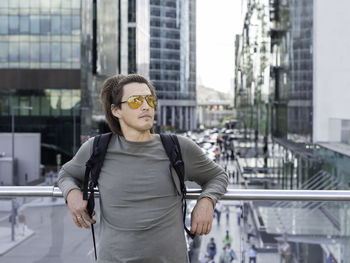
(173, 62)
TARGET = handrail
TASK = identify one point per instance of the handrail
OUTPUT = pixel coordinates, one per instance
(231, 194)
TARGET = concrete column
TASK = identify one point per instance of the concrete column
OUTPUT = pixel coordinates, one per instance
(186, 118)
(194, 118)
(164, 116)
(181, 124)
(173, 116)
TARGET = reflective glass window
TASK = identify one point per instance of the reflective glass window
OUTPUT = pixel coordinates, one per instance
(13, 4)
(76, 23)
(13, 24)
(34, 3)
(76, 52)
(34, 24)
(4, 4)
(66, 25)
(34, 52)
(44, 52)
(55, 3)
(45, 25)
(55, 52)
(13, 52)
(45, 3)
(45, 106)
(56, 25)
(76, 4)
(24, 52)
(4, 51)
(35, 102)
(24, 24)
(4, 25)
(66, 3)
(66, 52)
(24, 3)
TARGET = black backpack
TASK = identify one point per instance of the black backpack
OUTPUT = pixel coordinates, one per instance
(94, 165)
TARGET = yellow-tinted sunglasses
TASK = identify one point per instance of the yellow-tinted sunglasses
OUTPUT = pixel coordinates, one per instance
(136, 101)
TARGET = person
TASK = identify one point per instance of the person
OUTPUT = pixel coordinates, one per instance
(286, 251)
(251, 232)
(227, 239)
(218, 210)
(206, 259)
(238, 215)
(211, 248)
(227, 212)
(225, 256)
(331, 258)
(141, 216)
(231, 252)
(252, 254)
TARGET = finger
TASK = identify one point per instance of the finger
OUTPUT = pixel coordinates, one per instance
(199, 229)
(88, 218)
(82, 221)
(209, 228)
(76, 221)
(193, 228)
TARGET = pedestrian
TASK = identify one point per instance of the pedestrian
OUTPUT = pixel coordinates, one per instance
(231, 252)
(252, 254)
(251, 232)
(218, 211)
(286, 251)
(227, 212)
(22, 223)
(224, 256)
(227, 239)
(211, 248)
(331, 258)
(141, 216)
(238, 215)
(206, 259)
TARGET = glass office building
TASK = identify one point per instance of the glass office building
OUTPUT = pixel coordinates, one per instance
(40, 67)
(173, 61)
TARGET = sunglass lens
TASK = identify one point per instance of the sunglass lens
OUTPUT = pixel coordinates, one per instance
(135, 102)
(151, 100)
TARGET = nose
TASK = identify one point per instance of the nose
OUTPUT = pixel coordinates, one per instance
(145, 105)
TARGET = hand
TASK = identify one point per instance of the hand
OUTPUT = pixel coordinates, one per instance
(202, 217)
(77, 207)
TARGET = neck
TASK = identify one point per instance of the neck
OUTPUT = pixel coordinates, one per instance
(135, 136)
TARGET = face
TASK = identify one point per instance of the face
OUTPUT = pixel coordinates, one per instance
(139, 120)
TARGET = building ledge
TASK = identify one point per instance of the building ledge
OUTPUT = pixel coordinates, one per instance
(338, 147)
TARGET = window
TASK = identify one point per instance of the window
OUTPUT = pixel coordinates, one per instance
(24, 52)
(24, 24)
(4, 51)
(14, 24)
(66, 25)
(44, 52)
(34, 52)
(66, 52)
(14, 52)
(45, 25)
(56, 25)
(34, 24)
(55, 52)
(76, 52)
(4, 26)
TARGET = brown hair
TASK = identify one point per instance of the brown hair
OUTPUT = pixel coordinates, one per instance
(112, 93)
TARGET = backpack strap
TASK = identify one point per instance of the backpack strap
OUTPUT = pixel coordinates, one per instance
(92, 173)
(173, 150)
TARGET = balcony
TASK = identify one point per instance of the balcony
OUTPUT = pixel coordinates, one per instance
(310, 220)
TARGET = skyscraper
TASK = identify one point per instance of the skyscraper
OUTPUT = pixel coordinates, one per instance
(173, 61)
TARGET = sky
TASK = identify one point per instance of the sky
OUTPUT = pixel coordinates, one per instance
(217, 24)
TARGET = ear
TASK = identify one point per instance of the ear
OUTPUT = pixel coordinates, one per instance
(116, 111)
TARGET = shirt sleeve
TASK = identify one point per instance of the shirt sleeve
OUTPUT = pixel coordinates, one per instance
(71, 175)
(200, 169)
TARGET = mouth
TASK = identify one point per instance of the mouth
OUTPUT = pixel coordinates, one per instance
(147, 117)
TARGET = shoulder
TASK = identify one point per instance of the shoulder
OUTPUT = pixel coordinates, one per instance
(185, 142)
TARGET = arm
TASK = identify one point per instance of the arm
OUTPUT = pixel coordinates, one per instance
(70, 180)
(210, 176)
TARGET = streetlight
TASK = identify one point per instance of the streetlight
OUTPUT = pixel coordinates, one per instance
(14, 175)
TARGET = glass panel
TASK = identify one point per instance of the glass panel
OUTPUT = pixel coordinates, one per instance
(66, 104)
(13, 4)
(55, 4)
(44, 52)
(66, 3)
(34, 24)
(45, 105)
(4, 4)
(4, 26)
(55, 102)
(56, 25)
(76, 52)
(24, 24)
(35, 102)
(44, 4)
(4, 51)
(45, 25)
(14, 52)
(34, 52)
(55, 52)
(76, 24)
(13, 24)
(76, 4)
(66, 52)
(66, 25)
(34, 4)
(24, 52)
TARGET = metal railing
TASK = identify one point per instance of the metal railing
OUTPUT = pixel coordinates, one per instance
(231, 194)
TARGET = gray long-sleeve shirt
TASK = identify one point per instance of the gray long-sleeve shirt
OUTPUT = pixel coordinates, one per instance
(140, 197)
